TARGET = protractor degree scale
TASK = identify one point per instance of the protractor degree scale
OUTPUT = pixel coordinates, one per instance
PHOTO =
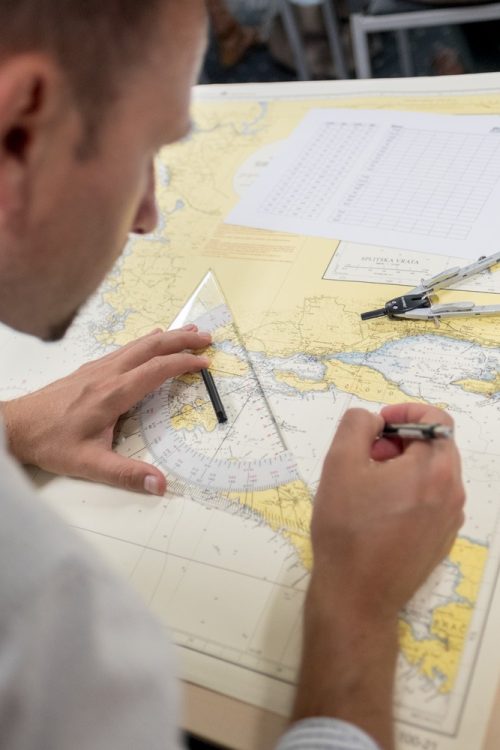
(245, 454)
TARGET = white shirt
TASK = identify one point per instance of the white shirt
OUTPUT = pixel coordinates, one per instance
(83, 665)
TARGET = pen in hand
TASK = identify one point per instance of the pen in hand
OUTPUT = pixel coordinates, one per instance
(416, 431)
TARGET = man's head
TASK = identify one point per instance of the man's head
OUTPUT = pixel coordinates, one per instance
(89, 90)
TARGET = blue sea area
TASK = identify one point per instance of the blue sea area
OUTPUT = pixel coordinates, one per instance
(304, 366)
(253, 127)
(427, 365)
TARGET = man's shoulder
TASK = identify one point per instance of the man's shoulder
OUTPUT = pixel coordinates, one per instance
(68, 622)
(36, 546)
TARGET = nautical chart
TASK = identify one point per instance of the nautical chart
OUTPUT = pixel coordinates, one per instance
(223, 559)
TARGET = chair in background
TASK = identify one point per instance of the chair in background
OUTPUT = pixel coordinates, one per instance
(364, 24)
(285, 9)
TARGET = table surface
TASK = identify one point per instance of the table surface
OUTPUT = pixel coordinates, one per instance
(208, 714)
(237, 725)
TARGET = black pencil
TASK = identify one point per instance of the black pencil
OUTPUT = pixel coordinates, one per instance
(214, 396)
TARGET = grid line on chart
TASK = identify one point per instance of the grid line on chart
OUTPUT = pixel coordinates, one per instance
(306, 187)
(426, 183)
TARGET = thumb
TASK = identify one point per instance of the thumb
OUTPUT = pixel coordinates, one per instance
(356, 434)
(127, 473)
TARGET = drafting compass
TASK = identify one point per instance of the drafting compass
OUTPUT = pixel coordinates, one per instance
(417, 304)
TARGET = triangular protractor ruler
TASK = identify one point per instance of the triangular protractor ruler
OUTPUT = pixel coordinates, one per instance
(245, 454)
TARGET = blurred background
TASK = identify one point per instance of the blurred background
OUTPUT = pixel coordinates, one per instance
(251, 40)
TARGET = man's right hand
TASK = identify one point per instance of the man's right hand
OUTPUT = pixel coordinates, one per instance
(385, 515)
(380, 526)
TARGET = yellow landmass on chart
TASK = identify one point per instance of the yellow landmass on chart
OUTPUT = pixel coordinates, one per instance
(145, 290)
(190, 378)
(199, 415)
(483, 332)
(470, 557)
(357, 379)
(224, 333)
(325, 316)
(481, 387)
(286, 509)
(303, 385)
(437, 657)
(365, 383)
(302, 545)
(223, 364)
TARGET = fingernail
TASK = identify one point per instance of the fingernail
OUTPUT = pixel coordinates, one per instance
(152, 485)
(205, 335)
(204, 361)
(189, 327)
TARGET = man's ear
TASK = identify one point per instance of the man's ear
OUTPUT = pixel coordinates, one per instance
(32, 93)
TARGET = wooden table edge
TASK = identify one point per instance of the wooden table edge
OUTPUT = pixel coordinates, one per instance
(240, 726)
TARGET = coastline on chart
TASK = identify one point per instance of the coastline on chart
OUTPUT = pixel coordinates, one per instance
(371, 264)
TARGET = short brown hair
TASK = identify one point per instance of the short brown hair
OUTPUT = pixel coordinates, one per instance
(94, 41)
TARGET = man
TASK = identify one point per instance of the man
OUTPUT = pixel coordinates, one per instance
(88, 93)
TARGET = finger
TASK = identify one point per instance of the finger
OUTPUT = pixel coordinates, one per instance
(412, 412)
(384, 450)
(123, 350)
(387, 449)
(421, 450)
(116, 352)
(355, 436)
(168, 342)
(438, 458)
(127, 473)
(134, 385)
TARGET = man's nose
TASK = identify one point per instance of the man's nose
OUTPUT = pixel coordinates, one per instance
(146, 217)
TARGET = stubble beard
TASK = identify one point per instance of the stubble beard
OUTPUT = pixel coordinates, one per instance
(58, 331)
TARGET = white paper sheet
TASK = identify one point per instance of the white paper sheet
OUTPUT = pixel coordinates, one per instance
(429, 183)
(384, 265)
